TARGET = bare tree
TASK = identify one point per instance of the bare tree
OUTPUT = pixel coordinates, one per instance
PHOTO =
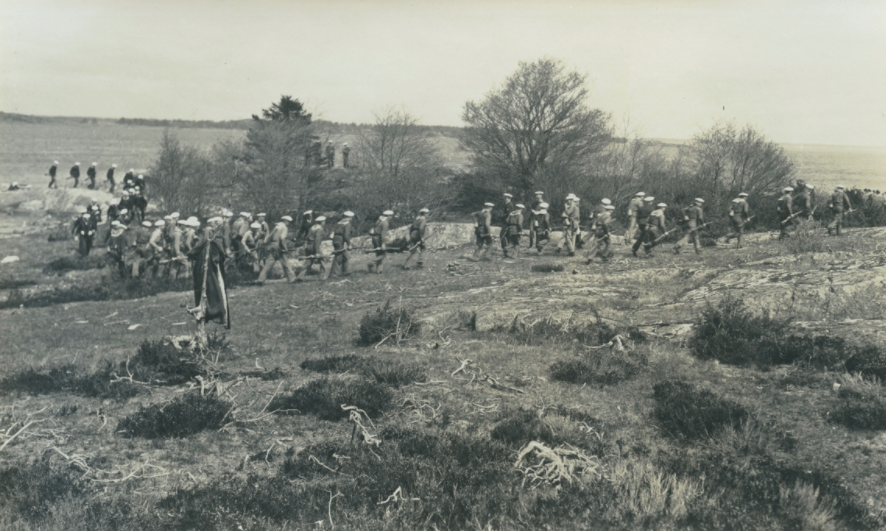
(180, 177)
(400, 165)
(536, 130)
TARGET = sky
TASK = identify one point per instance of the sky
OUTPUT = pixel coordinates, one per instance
(811, 71)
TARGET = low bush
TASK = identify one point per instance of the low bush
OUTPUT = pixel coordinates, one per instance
(547, 330)
(393, 373)
(63, 265)
(869, 360)
(807, 236)
(861, 404)
(14, 283)
(333, 363)
(31, 491)
(388, 323)
(115, 289)
(547, 268)
(324, 398)
(518, 427)
(686, 411)
(184, 416)
(600, 367)
(69, 378)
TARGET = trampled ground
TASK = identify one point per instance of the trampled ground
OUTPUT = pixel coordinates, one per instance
(737, 446)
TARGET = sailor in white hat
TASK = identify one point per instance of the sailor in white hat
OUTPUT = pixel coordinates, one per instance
(540, 226)
(571, 218)
(52, 171)
(785, 211)
(633, 208)
(109, 177)
(513, 228)
(693, 221)
(483, 231)
(314, 251)
(839, 205)
(275, 249)
(250, 246)
(739, 215)
(379, 236)
(75, 174)
(341, 243)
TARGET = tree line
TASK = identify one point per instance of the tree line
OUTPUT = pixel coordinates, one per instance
(536, 131)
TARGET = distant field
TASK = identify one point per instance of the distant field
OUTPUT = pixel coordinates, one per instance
(27, 150)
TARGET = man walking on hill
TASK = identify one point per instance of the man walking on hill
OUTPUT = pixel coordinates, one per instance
(785, 210)
(276, 249)
(513, 229)
(341, 242)
(656, 227)
(84, 229)
(738, 217)
(602, 232)
(534, 207)
(643, 214)
(633, 206)
(314, 250)
(52, 170)
(75, 174)
(379, 235)
(345, 155)
(143, 251)
(506, 210)
(110, 177)
(693, 220)
(838, 203)
(90, 174)
(571, 216)
(249, 246)
(417, 233)
(803, 202)
(540, 226)
(483, 230)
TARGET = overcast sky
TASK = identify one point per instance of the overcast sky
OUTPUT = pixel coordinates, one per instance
(799, 71)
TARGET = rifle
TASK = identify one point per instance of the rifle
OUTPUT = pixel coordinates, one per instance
(743, 223)
(792, 216)
(699, 227)
(370, 251)
(663, 236)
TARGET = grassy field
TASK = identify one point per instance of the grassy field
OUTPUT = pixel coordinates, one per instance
(736, 426)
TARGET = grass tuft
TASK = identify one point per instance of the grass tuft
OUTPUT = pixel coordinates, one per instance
(393, 373)
(686, 411)
(861, 406)
(600, 367)
(388, 323)
(324, 398)
(807, 237)
(184, 416)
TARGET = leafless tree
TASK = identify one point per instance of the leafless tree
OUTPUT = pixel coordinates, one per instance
(400, 165)
(536, 130)
(180, 176)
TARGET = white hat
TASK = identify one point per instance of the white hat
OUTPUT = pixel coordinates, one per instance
(14, 183)
(539, 193)
(76, 164)
(193, 222)
(320, 219)
(94, 163)
(544, 205)
(216, 219)
(699, 200)
(577, 199)
(606, 201)
(425, 210)
(255, 225)
(131, 170)
(175, 215)
(244, 214)
(159, 223)
(508, 195)
(113, 165)
(167, 217)
(125, 192)
(640, 194)
(387, 213)
(84, 211)
(55, 162)
(519, 205)
(570, 196)
(228, 214)
(182, 222)
(85, 214)
(115, 223)
(114, 201)
(840, 187)
(308, 212)
(348, 214)
(736, 200)
(140, 176)
(662, 205)
(286, 218)
(261, 215)
(147, 224)
(488, 204)
(743, 194)
(609, 207)
(810, 187)
(788, 189)
(649, 199)
(123, 211)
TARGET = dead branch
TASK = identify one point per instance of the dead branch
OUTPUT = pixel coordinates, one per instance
(465, 363)
(397, 496)
(331, 497)
(557, 464)
(19, 432)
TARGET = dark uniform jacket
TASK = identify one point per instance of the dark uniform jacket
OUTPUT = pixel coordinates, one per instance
(839, 202)
(418, 229)
(803, 203)
(515, 223)
(643, 212)
(482, 221)
(693, 216)
(75, 172)
(739, 210)
(785, 206)
(342, 233)
(52, 170)
(314, 239)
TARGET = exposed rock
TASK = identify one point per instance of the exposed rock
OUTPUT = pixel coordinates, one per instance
(35, 205)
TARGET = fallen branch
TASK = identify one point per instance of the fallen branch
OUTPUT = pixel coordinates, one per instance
(397, 496)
